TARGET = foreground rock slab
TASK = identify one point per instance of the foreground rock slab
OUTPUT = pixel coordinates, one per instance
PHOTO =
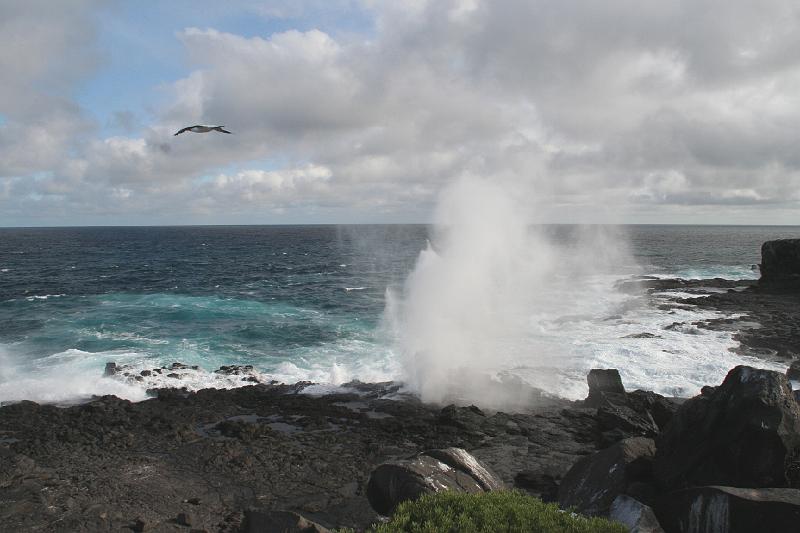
(594, 482)
(431, 471)
(638, 517)
(744, 433)
(111, 465)
(732, 510)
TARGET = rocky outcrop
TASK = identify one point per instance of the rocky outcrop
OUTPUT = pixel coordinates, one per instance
(637, 517)
(603, 381)
(594, 482)
(432, 471)
(622, 415)
(744, 433)
(732, 510)
(780, 263)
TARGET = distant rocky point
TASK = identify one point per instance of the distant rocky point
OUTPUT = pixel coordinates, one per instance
(780, 263)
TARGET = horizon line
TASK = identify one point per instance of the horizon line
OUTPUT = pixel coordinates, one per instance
(324, 224)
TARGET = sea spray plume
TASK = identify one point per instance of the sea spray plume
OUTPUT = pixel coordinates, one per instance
(472, 313)
(466, 300)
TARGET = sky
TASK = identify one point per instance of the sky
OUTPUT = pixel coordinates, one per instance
(362, 111)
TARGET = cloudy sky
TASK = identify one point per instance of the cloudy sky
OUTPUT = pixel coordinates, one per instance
(362, 110)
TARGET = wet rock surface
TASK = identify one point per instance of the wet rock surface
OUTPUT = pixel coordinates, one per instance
(206, 458)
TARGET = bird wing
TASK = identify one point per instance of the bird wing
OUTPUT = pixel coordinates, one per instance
(183, 130)
(222, 129)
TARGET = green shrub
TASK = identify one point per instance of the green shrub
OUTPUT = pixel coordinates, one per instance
(502, 511)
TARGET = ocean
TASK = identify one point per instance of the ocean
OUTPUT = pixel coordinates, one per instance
(321, 303)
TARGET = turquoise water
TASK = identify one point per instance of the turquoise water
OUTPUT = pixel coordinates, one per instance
(302, 302)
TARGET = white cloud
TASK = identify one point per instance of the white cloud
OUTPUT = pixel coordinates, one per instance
(584, 106)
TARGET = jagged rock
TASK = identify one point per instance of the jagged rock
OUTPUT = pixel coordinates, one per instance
(661, 409)
(543, 485)
(234, 370)
(635, 414)
(745, 433)
(780, 262)
(186, 519)
(110, 370)
(643, 335)
(279, 522)
(139, 525)
(592, 484)
(732, 510)
(603, 381)
(466, 418)
(431, 471)
(793, 372)
(637, 517)
(613, 416)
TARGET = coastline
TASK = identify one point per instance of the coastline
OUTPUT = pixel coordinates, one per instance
(206, 457)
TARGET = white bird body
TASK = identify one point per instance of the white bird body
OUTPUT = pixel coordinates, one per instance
(199, 128)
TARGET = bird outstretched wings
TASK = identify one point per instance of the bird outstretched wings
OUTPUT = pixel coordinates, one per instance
(199, 128)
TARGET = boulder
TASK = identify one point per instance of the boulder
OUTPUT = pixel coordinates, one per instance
(428, 472)
(256, 521)
(603, 380)
(744, 433)
(612, 416)
(544, 486)
(660, 408)
(780, 262)
(793, 372)
(111, 369)
(634, 414)
(730, 509)
(595, 481)
(637, 517)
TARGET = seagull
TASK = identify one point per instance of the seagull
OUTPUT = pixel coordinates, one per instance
(202, 129)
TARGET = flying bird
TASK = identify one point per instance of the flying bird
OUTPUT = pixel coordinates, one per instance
(202, 129)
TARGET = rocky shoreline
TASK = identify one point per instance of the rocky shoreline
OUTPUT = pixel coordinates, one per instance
(219, 460)
(111, 464)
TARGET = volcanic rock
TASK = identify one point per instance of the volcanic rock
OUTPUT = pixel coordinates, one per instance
(636, 414)
(744, 433)
(279, 522)
(780, 262)
(612, 416)
(660, 408)
(603, 381)
(540, 484)
(793, 372)
(637, 517)
(733, 510)
(594, 482)
(428, 472)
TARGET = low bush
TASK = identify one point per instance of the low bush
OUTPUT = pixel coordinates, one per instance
(502, 511)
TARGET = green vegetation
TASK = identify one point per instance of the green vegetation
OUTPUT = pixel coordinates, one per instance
(503, 511)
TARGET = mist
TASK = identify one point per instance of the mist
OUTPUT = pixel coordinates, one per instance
(473, 322)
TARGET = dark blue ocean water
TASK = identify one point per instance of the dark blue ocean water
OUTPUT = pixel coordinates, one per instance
(295, 301)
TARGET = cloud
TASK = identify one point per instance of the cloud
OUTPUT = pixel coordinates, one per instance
(591, 109)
